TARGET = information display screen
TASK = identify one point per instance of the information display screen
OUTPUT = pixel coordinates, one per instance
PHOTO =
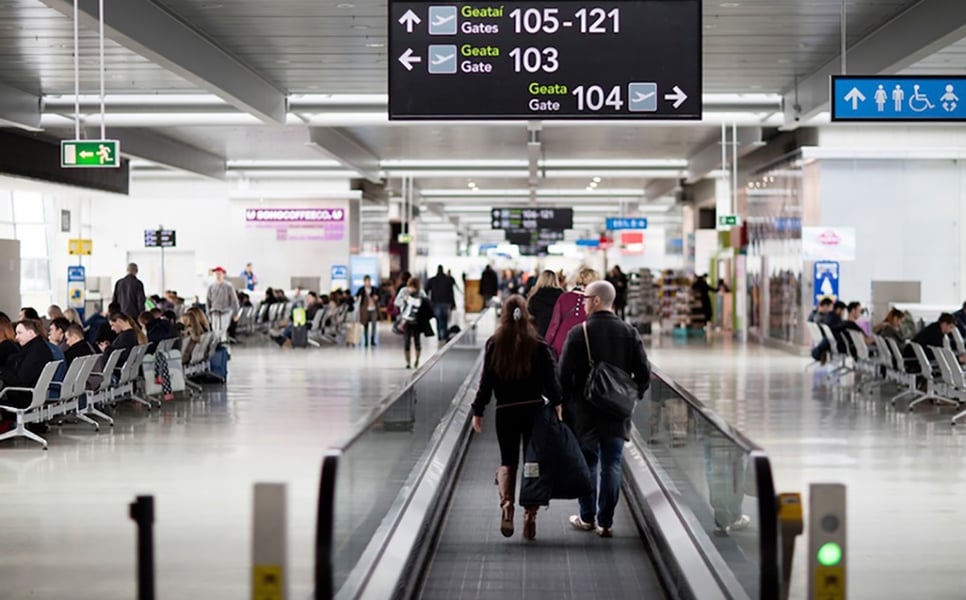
(159, 238)
(532, 219)
(637, 59)
(528, 238)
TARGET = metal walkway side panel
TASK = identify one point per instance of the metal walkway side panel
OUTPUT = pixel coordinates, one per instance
(474, 562)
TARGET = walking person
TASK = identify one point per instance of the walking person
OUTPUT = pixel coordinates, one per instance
(368, 310)
(489, 285)
(440, 289)
(129, 293)
(409, 301)
(222, 304)
(542, 299)
(603, 338)
(249, 276)
(569, 310)
(519, 368)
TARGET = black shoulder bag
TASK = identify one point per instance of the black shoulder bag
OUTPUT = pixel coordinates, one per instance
(609, 389)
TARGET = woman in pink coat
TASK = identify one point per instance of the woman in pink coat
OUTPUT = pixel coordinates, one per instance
(569, 310)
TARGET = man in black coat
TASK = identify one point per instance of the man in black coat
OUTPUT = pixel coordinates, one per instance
(77, 346)
(489, 285)
(440, 290)
(129, 293)
(23, 369)
(601, 437)
(932, 335)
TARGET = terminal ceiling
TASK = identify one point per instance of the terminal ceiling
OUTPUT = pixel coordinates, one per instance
(329, 60)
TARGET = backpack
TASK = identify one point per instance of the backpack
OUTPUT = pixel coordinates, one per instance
(609, 388)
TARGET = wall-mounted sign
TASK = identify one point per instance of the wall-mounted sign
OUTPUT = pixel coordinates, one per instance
(80, 247)
(888, 98)
(300, 224)
(729, 221)
(76, 286)
(339, 277)
(828, 243)
(637, 59)
(826, 280)
(626, 223)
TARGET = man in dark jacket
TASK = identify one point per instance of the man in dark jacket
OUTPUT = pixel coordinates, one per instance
(77, 346)
(601, 437)
(129, 293)
(489, 285)
(440, 290)
(23, 369)
(932, 335)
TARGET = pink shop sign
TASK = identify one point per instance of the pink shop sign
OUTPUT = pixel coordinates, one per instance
(300, 224)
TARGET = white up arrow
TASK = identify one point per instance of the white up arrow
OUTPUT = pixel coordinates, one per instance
(678, 97)
(410, 19)
(407, 59)
(854, 97)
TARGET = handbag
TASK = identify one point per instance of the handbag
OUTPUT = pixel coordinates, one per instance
(554, 466)
(399, 326)
(609, 389)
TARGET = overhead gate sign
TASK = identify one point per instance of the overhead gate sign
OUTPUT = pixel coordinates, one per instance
(540, 60)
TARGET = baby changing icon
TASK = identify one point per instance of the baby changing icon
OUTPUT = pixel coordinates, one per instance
(950, 100)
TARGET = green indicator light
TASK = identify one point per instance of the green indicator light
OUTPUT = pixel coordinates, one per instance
(830, 554)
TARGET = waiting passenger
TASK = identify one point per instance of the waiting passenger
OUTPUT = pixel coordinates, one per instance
(129, 293)
(155, 329)
(542, 300)
(368, 298)
(821, 312)
(128, 333)
(192, 332)
(932, 335)
(568, 312)
(608, 339)
(202, 319)
(57, 332)
(411, 302)
(54, 312)
(8, 339)
(77, 346)
(73, 316)
(891, 327)
(23, 369)
(29, 312)
(519, 368)
(853, 312)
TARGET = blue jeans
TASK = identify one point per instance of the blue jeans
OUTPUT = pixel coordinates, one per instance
(608, 452)
(442, 320)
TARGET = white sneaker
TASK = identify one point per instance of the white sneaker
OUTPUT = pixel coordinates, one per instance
(743, 522)
(605, 532)
(580, 524)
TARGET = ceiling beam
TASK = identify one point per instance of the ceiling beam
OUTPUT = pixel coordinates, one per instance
(709, 159)
(19, 109)
(920, 31)
(151, 31)
(150, 145)
(345, 148)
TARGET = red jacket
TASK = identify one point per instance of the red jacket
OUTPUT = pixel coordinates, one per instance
(568, 312)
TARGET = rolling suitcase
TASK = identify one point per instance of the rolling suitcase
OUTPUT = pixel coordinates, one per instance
(218, 364)
(353, 334)
(300, 336)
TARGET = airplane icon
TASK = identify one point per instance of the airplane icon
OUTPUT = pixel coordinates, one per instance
(441, 20)
(639, 97)
(438, 60)
(643, 97)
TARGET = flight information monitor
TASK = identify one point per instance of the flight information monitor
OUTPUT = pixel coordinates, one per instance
(532, 219)
(159, 238)
(539, 60)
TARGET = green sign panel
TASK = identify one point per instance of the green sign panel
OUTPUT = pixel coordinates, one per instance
(90, 154)
(729, 221)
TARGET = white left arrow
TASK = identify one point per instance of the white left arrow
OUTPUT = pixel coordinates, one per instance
(407, 59)
(678, 97)
(410, 20)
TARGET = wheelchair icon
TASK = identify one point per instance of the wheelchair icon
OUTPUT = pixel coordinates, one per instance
(919, 102)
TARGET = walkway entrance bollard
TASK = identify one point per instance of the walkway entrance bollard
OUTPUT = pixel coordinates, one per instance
(791, 521)
(269, 541)
(142, 512)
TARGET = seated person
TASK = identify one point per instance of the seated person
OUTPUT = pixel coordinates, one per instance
(854, 311)
(156, 329)
(8, 339)
(77, 346)
(891, 327)
(127, 336)
(57, 332)
(23, 369)
(829, 313)
(822, 310)
(191, 337)
(932, 335)
(99, 326)
(73, 316)
(312, 307)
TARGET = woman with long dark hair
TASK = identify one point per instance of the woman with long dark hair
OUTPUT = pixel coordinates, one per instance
(519, 368)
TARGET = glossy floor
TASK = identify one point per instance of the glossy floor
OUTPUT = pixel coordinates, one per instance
(906, 473)
(64, 528)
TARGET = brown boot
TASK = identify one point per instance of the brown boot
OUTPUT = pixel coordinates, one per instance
(506, 480)
(529, 522)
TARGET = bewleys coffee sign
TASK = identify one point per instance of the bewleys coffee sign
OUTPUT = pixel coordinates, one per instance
(300, 224)
(828, 243)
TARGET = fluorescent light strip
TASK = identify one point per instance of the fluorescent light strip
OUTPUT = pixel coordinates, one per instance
(525, 193)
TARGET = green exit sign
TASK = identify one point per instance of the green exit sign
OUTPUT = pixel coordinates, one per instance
(90, 154)
(404, 238)
(729, 221)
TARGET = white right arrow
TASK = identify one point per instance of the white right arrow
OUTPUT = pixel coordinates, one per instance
(854, 97)
(410, 19)
(407, 59)
(678, 97)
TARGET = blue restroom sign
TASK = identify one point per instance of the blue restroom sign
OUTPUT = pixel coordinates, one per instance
(826, 280)
(886, 98)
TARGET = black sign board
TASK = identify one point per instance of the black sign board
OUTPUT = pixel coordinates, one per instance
(159, 238)
(528, 238)
(534, 249)
(539, 60)
(532, 219)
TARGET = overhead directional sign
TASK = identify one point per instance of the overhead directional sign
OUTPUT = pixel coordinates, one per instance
(160, 238)
(886, 98)
(532, 219)
(534, 59)
(97, 154)
(627, 223)
(826, 280)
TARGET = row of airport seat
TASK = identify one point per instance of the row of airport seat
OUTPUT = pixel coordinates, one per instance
(83, 392)
(940, 380)
(328, 326)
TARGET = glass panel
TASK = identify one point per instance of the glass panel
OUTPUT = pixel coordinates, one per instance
(374, 468)
(6, 207)
(28, 207)
(33, 241)
(6, 232)
(710, 474)
(34, 275)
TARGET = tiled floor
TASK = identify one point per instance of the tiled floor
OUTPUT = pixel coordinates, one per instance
(64, 529)
(906, 473)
